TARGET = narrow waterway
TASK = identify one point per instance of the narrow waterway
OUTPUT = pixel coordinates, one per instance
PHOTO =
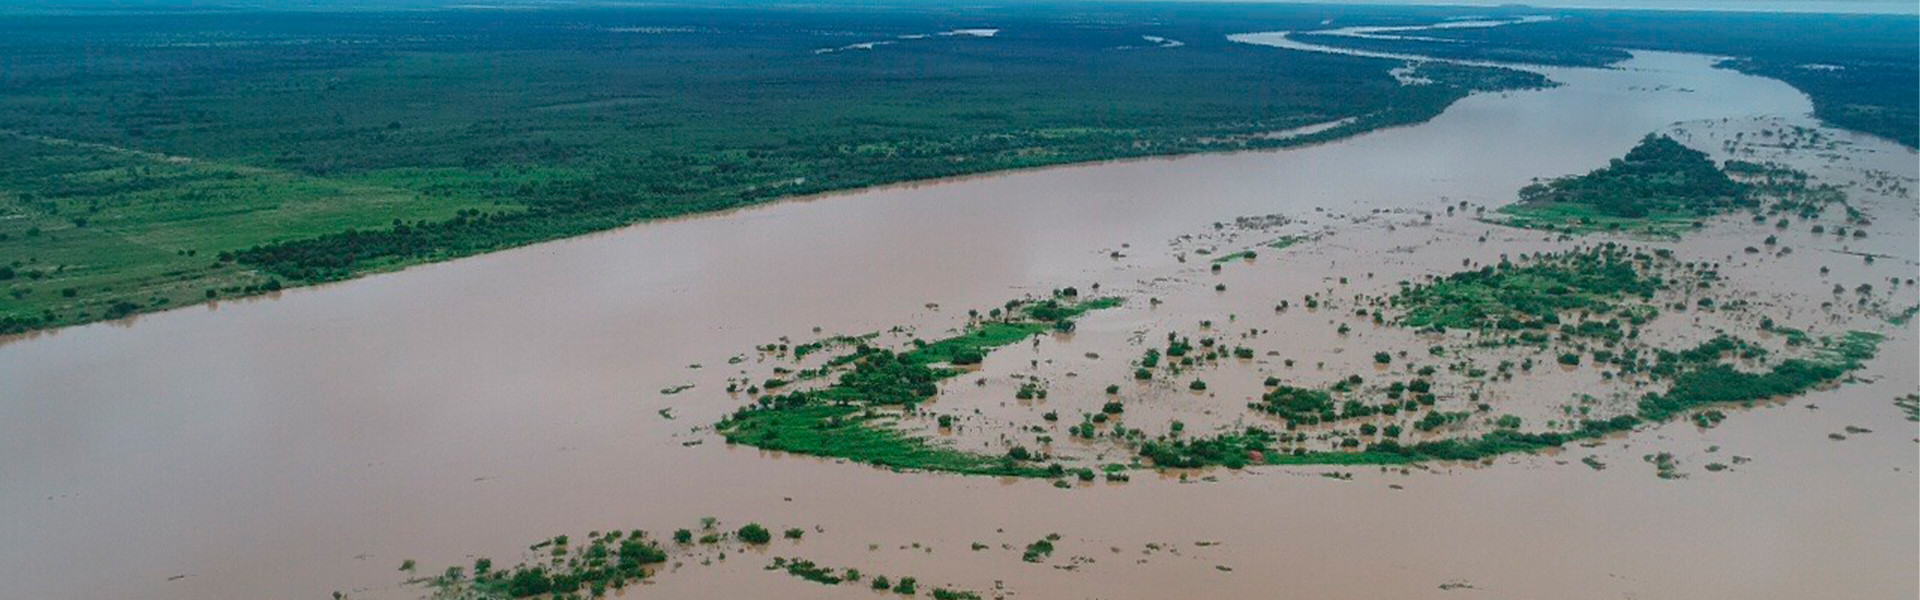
(293, 446)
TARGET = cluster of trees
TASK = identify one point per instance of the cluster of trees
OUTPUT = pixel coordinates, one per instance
(611, 560)
(1231, 449)
(1533, 293)
(1659, 176)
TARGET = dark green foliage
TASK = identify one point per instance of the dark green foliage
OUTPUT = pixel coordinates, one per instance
(805, 569)
(1040, 549)
(845, 419)
(1232, 449)
(1703, 382)
(1659, 178)
(754, 533)
(1530, 295)
(1715, 384)
(1300, 405)
(611, 560)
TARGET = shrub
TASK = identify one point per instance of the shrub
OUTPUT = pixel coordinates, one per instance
(753, 533)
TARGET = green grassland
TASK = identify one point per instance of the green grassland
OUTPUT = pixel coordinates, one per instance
(155, 160)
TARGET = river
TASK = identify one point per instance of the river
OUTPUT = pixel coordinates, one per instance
(292, 446)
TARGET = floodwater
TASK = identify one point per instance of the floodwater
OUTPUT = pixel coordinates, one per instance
(299, 445)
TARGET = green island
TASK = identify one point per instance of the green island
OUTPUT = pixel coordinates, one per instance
(1697, 378)
(158, 160)
(1528, 303)
(1659, 187)
(1662, 188)
(849, 418)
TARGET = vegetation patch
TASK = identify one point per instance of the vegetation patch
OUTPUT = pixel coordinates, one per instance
(560, 569)
(1701, 380)
(906, 586)
(1534, 293)
(851, 418)
(1661, 186)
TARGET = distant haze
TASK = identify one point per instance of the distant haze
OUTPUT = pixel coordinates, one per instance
(1902, 7)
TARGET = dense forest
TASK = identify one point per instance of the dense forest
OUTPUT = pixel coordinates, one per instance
(1861, 71)
(158, 159)
(1658, 176)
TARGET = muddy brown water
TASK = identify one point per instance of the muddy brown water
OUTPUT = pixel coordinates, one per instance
(291, 447)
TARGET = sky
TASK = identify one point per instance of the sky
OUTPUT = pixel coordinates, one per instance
(1903, 7)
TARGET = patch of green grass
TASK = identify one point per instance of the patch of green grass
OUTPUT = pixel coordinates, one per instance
(1243, 254)
(851, 417)
(975, 342)
(1287, 241)
(92, 232)
(981, 338)
(854, 432)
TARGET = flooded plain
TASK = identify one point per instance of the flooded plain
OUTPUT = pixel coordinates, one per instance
(306, 444)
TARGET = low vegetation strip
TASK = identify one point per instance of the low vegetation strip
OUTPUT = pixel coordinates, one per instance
(1699, 384)
(850, 417)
